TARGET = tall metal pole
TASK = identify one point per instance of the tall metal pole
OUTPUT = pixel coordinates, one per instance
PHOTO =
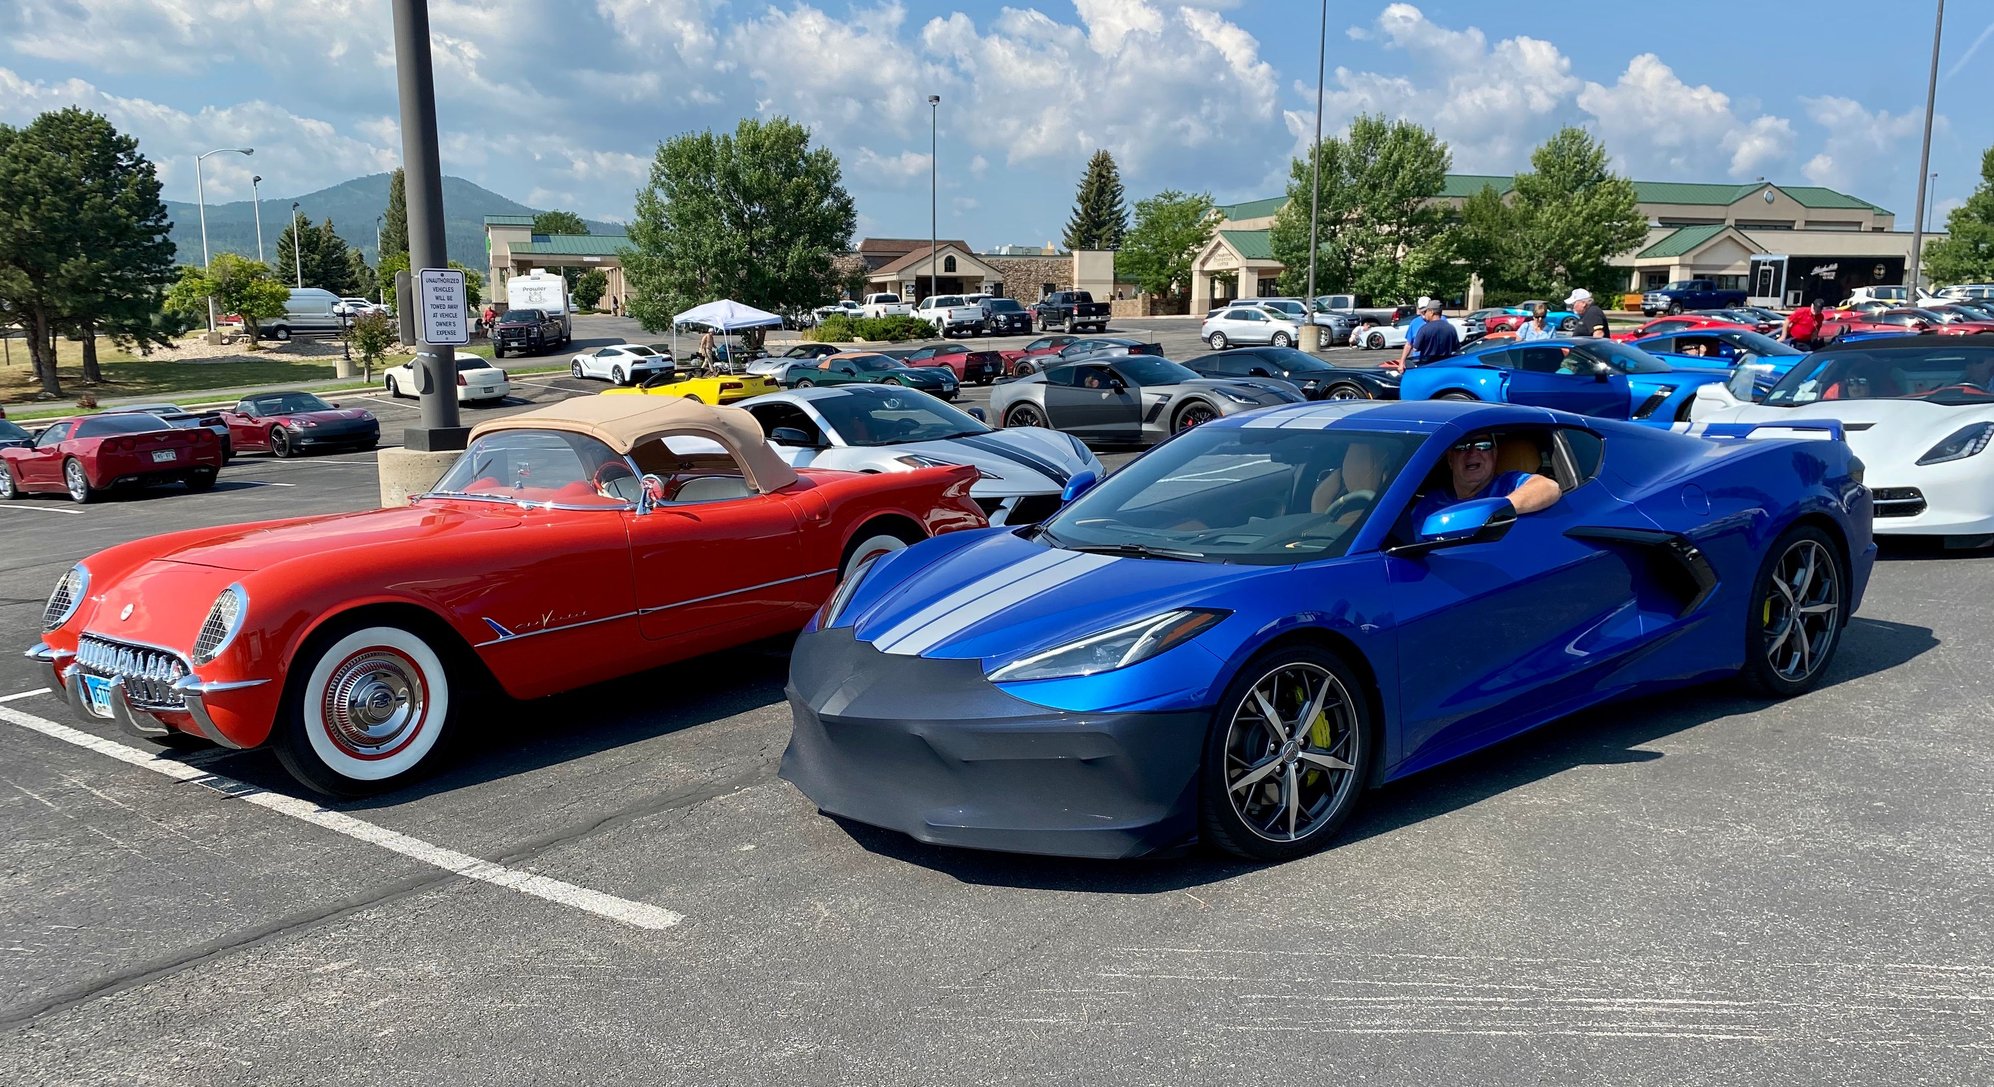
(1931, 182)
(1925, 153)
(416, 85)
(201, 198)
(297, 247)
(934, 185)
(256, 203)
(380, 288)
(1315, 165)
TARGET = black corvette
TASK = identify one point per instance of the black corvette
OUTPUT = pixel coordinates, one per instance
(1311, 376)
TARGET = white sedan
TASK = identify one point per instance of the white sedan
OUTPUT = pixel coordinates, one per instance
(477, 380)
(1918, 411)
(621, 363)
(1248, 324)
(885, 428)
(1376, 337)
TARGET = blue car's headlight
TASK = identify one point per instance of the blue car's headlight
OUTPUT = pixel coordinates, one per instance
(1964, 443)
(1129, 644)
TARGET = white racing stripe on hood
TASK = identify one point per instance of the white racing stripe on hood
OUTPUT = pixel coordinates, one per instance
(984, 597)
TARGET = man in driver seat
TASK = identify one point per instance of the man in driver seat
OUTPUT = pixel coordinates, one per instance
(1471, 465)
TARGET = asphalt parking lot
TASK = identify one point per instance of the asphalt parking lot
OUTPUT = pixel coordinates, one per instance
(613, 886)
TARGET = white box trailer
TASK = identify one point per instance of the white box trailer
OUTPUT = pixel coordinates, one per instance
(545, 291)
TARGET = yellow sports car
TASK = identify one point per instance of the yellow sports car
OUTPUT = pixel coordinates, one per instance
(720, 389)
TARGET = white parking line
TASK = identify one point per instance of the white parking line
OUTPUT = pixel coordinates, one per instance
(259, 483)
(25, 508)
(542, 384)
(622, 910)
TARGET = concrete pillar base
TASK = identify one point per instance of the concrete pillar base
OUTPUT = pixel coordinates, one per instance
(344, 369)
(408, 472)
(1311, 338)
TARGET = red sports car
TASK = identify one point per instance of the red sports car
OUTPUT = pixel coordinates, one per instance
(1044, 345)
(970, 364)
(1686, 322)
(293, 422)
(1903, 321)
(570, 544)
(85, 457)
(1955, 320)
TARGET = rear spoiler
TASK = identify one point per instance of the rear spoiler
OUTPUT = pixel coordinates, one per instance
(1832, 427)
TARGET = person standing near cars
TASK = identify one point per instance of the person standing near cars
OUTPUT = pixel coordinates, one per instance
(1436, 339)
(1592, 319)
(1406, 356)
(1538, 327)
(1803, 326)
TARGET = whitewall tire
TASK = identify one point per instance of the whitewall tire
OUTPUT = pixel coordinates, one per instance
(371, 709)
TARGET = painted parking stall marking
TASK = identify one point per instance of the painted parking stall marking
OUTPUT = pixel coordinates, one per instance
(622, 910)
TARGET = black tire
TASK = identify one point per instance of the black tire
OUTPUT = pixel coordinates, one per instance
(1775, 666)
(76, 481)
(498, 352)
(330, 752)
(1317, 777)
(1282, 339)
(804, 383)
(10, 488)
(1025, 415)
(1675, 309)
(393, 387)
(1193, 413)
(1344, 390)
(1068, 327)
(1375, 341)
(202, 479)
(280, 443)
(1218, 341)
(1455, 395)
(1022, 369)
(281, 332)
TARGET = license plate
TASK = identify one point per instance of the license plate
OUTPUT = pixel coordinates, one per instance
(164, 456)
(97, 695)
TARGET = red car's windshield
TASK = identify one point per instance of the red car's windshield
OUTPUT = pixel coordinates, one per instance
(541, 466)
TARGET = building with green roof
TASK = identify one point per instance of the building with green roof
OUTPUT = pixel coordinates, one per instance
(516, 250)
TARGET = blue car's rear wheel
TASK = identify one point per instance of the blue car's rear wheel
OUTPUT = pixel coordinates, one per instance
(1798, 609)
(1288, 753)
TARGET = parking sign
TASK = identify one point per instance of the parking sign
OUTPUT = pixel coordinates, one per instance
(445, 313)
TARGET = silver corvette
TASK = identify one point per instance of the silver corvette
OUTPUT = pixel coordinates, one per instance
(1126, 399)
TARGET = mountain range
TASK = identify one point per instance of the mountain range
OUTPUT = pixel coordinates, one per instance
(352, 206)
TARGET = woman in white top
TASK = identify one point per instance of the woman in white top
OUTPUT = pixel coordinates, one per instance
(1537, 327)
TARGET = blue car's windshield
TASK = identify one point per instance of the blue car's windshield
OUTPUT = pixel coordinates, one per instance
(1255, 495)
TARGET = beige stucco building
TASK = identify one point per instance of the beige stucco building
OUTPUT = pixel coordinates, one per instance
(515, 250)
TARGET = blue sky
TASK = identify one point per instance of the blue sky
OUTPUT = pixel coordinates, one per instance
(561, 103)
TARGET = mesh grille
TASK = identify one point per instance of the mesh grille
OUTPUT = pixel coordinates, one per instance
(62, 601)
(148, 673)
(220, 623)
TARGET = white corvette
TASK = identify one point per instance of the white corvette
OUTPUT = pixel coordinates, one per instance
(1919, 412)
(885, 428)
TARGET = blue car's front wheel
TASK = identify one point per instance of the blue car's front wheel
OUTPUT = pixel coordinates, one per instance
(1289, 751)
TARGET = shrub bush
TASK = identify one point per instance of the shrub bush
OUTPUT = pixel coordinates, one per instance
(842, 329)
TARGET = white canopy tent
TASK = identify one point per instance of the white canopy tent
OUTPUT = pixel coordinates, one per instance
(723, 315)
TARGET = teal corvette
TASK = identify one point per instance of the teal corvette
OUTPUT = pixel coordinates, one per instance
(867, 368)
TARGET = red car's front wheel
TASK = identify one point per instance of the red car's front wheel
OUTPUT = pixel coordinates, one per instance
(368, 705)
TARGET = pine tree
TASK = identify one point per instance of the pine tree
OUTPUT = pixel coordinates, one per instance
(1100, 217)
(394, 232)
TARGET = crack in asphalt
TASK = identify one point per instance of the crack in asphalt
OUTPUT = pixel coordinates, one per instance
(159, 969)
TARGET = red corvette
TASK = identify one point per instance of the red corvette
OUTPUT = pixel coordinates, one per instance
(293, 422)
(1044, 345)
(569, 545)
(971, 365)
(86, 457)
(1901, 321)
(1687, 322)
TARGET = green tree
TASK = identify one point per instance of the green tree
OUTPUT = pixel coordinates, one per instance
(1488, 242)
(324, 259)
(589, 288)
(238, 285)
(1966, 253)
(1170, 229)
(1100, 216)
(394, 229)
(474, 280)
(371, 336)
(755, 215)
(83, 236)
(1380, 231)
(365, 283)
(559, 222)
(1576, 216)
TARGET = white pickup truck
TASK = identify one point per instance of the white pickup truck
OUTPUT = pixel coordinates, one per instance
(951, 314)
(884, 305)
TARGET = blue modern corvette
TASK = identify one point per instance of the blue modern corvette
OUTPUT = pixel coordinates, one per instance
(1726, 350)
(1590, 376)
(1238, 633)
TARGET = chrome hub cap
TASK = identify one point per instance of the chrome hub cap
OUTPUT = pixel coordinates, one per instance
(374, 703)
(1290, 754)
(1802, 613)
(78, 482)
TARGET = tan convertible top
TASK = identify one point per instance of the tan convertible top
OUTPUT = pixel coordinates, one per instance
(625, 422)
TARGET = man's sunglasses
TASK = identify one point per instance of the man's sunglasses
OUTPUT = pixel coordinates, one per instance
(1479, 445)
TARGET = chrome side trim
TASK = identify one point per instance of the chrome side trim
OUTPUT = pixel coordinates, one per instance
(511, 637)
(736, 592)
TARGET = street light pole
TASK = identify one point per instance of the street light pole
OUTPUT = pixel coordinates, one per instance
(297, 246)
(934, 175)
(416, 91)
(256, 203)
(1313, 339)
(1925, 152)
(201, 198)
(380, 289)
(1930, 184)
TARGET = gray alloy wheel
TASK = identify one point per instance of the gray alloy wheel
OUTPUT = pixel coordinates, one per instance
(1568, 324)
(1281, 339)
(1024, 415)
(1192, 414)
(77, 480)
(575, 370)
(9, 490)
(1796, 617)
(1287, 756)
(616, 375)
(280, 442)
(1343, 390)
(1375, 340)
(1217, 340)
(804, 383)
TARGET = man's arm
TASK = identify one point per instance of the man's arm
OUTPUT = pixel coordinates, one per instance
(1535, 493)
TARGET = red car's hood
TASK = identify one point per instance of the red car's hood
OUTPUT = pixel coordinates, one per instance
(256, 546)
(330, 415)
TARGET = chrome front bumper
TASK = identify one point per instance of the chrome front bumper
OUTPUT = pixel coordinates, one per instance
(66, 682)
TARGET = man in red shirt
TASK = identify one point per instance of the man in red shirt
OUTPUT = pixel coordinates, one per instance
(1803, 326)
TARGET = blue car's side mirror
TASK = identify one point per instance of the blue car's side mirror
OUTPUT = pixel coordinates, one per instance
(1483, 520)
(977, 414)
(1080, 484)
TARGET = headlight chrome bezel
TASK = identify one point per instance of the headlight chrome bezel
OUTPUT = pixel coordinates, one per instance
(231, 626)
(78, 592)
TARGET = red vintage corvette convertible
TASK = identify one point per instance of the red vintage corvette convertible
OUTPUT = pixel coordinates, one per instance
(85, 457)
(571, 544)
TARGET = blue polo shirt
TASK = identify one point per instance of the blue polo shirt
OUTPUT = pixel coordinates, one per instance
(1502, 486)
(1434, 341)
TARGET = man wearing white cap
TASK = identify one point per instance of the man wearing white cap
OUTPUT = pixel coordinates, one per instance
(1411, 329)
(1592, 319)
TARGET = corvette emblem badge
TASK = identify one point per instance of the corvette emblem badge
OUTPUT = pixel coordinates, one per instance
(125, 614)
